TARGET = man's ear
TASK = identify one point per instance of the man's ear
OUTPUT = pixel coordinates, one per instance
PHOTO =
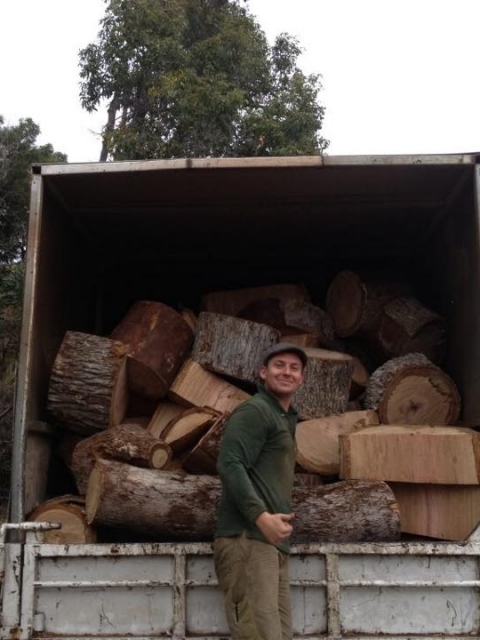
(262, 373)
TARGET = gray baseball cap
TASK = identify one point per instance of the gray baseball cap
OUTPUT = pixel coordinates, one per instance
(285, 347)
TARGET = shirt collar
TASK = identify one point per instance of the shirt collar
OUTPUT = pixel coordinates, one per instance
(273, 400)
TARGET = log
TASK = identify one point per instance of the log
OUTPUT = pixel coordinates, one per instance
(176, 506)
(231, 302)
(407, 326)
(311, 319)
(165, 411)
(158, 340)
(354, 301)
(194, 386)
(307, 480)
(412, 390)
(345, 512)
(302, 340)
(69, 511)
(438, 511)
(326, 386)
(421, 454)
(318, 447)
(264, 311)
(166, 504)
(360, 378)
(190, 318)
(203, 457)
(88, 385)
(127, 442)
(232, 346)
(186, 429)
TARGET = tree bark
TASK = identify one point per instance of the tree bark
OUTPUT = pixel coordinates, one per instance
(127, 443)
(318, 446)
(158, 340)
(232, 346)
(88, 388)
(69, 511)
(412, 390)
(326, 386)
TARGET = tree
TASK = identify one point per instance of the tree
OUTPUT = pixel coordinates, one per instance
(185, 78)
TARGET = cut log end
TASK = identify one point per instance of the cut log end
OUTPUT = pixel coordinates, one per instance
(345, 301)
(161, 456)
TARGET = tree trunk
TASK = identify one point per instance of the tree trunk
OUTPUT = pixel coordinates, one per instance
(69, 511)
(434, 455)
(232, 346)
(109, 127)
(412, 390)
(326, 386)
(231, 302)
(203, 457)
(355, 301)
(318, 447)
(127, 443)
(88, 388)
(194, 386)
(158, 340)
(182, 507)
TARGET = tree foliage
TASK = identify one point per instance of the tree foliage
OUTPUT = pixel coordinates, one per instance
(185, 78)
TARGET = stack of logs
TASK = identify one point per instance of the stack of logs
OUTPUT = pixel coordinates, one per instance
(143, 413)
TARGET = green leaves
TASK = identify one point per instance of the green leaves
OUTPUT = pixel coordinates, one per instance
(187, 78)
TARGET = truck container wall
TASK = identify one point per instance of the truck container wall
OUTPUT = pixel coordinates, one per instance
(102, 236)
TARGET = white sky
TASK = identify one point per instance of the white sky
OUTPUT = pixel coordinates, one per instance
(399, 76)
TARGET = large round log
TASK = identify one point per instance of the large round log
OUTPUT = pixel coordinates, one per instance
(354, 301)
(412, 390)
(406, 325)
(126, 442)
(318, 447)
(158, 340)
(69, 512)
(326, 386)
(351, 511)
(232, 346)
(182, 507)
(88, 387)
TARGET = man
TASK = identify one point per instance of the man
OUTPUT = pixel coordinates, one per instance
(256, 466)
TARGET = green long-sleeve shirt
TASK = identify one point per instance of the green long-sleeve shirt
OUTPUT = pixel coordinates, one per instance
(256, 465)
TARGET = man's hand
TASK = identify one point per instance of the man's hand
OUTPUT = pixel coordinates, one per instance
(275, 526)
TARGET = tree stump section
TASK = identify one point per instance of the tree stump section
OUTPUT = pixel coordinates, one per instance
(355, 301)
(408, 326)
(318, 446)
(165, 411)
(166, 504)
(186, 429)
(88, 385)
(202, 459)
(127, 443)
(176, 506)
(438, 511)
(326, 386)
(231, 302)
(232, 346)
(345, 512)
(412, 390)
(158, 340)
(194, 386)
(419, 454)
(69, 512)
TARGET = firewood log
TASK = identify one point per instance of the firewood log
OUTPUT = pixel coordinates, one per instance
(178, 506)
(232, 346)
(69, 512)
(203, 457)
(231, 302)
(127, 442)
(354, 301)
(303, 340)
(88, 387)
(412, 390)
(194, 386)
(158, 340)
(185, 430)
(403, 453)
(326, 386)
(165, 411)
(318, 447)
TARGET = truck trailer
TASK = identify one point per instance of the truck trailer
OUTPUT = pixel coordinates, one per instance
(102, 236)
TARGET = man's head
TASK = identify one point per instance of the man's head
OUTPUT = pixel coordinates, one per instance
(282, 369)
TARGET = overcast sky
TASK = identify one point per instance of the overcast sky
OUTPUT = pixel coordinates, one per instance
(399, 76)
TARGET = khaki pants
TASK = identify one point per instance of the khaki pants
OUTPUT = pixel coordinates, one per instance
(254, 578)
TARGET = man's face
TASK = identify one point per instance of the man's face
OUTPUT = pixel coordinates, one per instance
(282, 375)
